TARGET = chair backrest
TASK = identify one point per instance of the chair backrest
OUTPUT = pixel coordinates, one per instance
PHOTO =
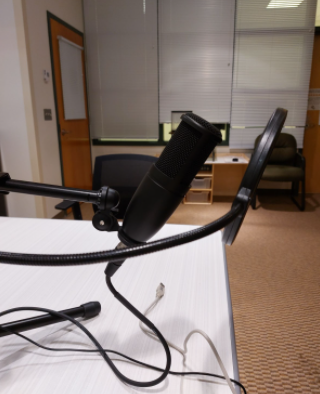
(122, 172)
(284, 150)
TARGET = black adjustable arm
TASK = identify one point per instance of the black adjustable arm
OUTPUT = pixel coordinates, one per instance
(105, 198)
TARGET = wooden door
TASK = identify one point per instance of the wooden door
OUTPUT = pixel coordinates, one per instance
(74, 138)
(311, 149)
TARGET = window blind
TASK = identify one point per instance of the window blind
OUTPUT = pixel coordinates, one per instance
(272, 64)
(122, 62)
(195, 58)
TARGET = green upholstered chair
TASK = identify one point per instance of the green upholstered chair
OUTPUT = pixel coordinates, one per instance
(285, 165)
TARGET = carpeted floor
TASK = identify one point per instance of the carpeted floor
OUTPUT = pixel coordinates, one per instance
(274, 273)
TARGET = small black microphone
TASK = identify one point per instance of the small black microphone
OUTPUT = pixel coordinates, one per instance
(169, 179)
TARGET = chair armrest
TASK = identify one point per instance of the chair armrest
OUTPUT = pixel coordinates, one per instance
(64, 205)
(300, 161)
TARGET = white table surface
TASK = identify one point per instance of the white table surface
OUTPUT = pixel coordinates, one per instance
(197, 296)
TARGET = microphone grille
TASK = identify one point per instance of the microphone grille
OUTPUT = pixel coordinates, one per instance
(178, 150)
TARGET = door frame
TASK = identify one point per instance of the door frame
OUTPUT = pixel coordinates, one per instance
(54, 17)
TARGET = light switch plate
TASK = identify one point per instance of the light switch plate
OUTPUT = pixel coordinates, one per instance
(47, 114)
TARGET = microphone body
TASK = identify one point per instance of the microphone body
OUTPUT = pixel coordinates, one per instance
(169, 179)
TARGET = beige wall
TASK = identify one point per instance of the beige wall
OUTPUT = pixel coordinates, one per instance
(35, 13)
(18, 144)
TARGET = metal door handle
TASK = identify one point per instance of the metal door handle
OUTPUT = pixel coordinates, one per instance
(64, 132)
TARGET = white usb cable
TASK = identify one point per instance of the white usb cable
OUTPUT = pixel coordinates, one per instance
(159, 294)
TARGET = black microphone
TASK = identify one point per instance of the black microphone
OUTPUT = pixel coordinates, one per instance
(169, 179)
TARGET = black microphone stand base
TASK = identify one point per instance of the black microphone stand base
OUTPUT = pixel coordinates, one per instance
(87, 311)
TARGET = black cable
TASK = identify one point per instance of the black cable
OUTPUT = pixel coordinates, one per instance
(103, 352)
(132, 309)
(149, 324)
(126, 357)
(121, 254)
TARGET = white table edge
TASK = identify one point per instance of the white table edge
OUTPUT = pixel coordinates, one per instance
(232, 333)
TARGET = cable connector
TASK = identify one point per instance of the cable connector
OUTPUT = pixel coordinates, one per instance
(160, 290)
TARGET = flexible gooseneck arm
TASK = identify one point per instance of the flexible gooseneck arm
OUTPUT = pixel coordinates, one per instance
(122, 254)
(105, 199)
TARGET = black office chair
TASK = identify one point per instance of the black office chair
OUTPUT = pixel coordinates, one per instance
(74, 205)
(122, 172)
(285, 165)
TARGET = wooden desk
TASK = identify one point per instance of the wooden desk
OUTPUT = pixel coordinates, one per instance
(197, 296)
(225, 176)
